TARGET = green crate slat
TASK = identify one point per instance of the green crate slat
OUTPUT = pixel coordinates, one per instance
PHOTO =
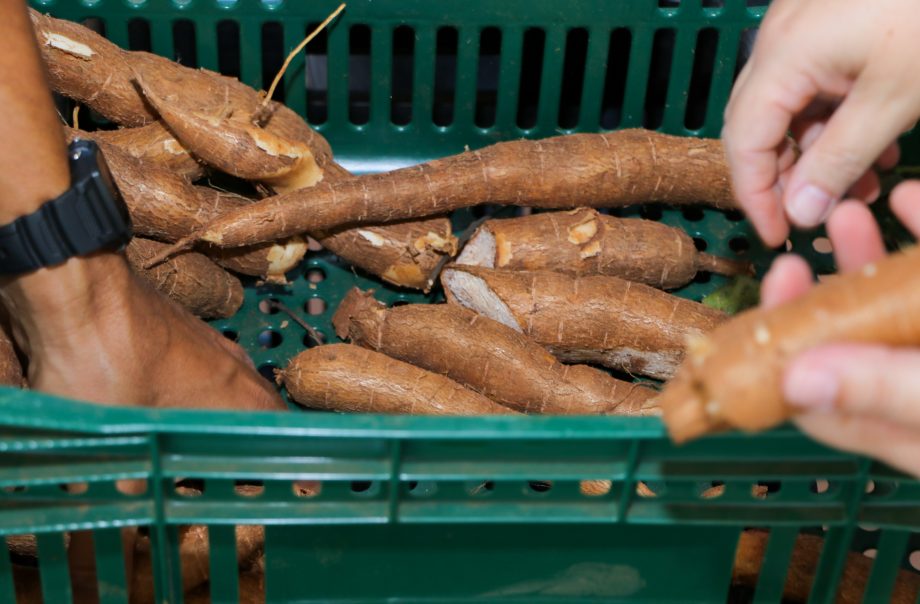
(338, 76)
(467, 68)
(550, 82)
(423, 77)
(110, 566)
(7, 590)
(721, 85)
(891, 546)
(161, 41)
(592, 92)
(55, 574)
(509, 75)
(206, 43)
(381, 74)
(682, 60)
(204, 467)
(33, 519)
(224, 582)
(637, 76)
(775, 565)
(294, 82)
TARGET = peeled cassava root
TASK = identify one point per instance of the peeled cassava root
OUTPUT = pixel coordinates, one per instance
(732, 376)
(343, 377)
(190, 279)
(595, 319)
(487, 357)
(209, 113)
(597, 170)
(586, 242)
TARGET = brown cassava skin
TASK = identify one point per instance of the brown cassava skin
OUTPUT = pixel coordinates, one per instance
(209, 113)
(151, 143)
(343, 377)
(803, 565)
(732, 377)
(190, 279)
(597, 170)
(595, 319)
(487, 357)
(11, 371)
(585, 242)
(165, 207)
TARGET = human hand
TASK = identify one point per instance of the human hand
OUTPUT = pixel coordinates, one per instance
(838, 74)
(93, 331)
(860, 398)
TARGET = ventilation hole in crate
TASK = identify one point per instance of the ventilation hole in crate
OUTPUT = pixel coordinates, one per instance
(701, 78)
(692, 214)
(745, 46)
(272, 57)
(96, 24)
(184, 50)
(870, 553)
(445, 76)
(316, 275)
(753, 3)
(646, 491)
(313, 245)
(490, 44)
(914, 560)
(765, 488)
(659, 75)
(734, 215)
(267, 370)
(248, 488)
(401, 75)
(191, 489)
(518, 212)
(668, 3)
(423, 488)
(573, 77)
(820, 486)
(539, 486)
(531, 73)
(14, 489)
(713, 3)
(359, 74)
(228, 48)
(870, 486)
(651, 212)
(712, 490)
(315, 306)
(481, 211)
(700, 244)
(702, 277)
(139, 35)
(739, 245)
(822, 245)
(231, 335)
(594, 488)
(133, 486)
(317, 76)
(480, 488)
(615, 78)
(396, 303)
(309, 342)
(883, 488)
(270, 339)
(361, 486)
(307, 488)
(74, 488)
(267, 306)
(869, 528)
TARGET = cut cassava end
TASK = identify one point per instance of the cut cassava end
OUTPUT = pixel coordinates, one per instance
(586, 242)
(152, 143)
(190, 279)
(486, 356)
(343, 377)
(732, 377)
(594, 319)
(598, 170)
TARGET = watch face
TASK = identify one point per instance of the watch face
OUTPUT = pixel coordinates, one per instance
(87, 163)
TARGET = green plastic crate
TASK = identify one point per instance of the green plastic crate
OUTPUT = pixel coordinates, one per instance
(418, 509)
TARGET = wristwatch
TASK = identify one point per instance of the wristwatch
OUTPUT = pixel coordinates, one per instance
(89, 216)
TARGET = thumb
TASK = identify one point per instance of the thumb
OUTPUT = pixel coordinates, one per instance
(854, 379)
(862, 127)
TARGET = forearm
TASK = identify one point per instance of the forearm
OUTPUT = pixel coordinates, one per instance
(33, 162)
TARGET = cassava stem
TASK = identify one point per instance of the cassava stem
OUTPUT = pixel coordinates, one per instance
(487, 357)
(595, 319)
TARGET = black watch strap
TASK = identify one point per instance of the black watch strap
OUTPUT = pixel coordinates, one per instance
(84, 219)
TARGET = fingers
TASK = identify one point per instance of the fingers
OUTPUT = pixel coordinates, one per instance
(905, 203)
(891, 443)
(788, 278)
(855, 236)
(889, 157)
(844, 151)
(862, 380)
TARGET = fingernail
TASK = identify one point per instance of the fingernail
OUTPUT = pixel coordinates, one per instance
(809, 206)
(813, 389)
